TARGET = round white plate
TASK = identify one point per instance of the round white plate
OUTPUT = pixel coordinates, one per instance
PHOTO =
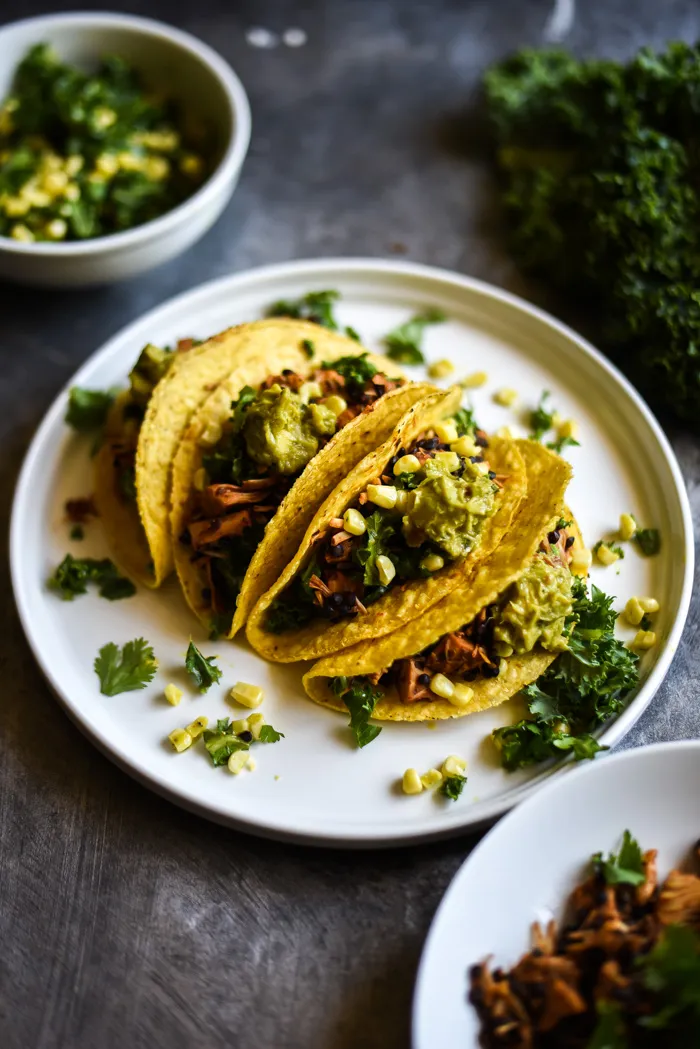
(314, 785)
(525, 868)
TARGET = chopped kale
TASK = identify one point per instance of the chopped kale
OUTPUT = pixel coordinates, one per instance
(316, 306)
(202, 669)
(72, 576)
(403, 344)
(360, 698)
(87, 409)
(125, 670)
(627, 868)
(452, 786)
(648, 540)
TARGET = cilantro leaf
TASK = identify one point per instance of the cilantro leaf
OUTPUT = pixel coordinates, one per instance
(87, 409)
(627, 868)
(309, 347)
(202, 669)
(465, 422)
(648, 540)
(352, 333)
(77, 532)
(125, 670)
(452, 786)
(561, 443)
(373, 544)
(610, 1031)
(360, 698)
(356, 370)
(404, 342)
(222, 742)
(671, 970)
(72, 576)
(268, 734)
(316, 306)
(541, 418)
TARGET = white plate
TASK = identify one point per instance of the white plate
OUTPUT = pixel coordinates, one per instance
(525, 868)
(313, 785)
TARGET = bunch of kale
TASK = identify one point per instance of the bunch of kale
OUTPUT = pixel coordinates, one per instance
(602, 166)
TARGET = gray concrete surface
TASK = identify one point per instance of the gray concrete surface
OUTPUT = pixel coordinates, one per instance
(124, 921)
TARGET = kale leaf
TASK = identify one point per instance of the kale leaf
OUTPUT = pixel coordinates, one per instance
(316, 306)
(72, 576)
(452, 786)
(627, 868)
(403, 344)
(360, 698)
(202, 669)
(125, 670)
(87, 409)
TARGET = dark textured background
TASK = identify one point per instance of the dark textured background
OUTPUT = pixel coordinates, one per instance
(123, 921)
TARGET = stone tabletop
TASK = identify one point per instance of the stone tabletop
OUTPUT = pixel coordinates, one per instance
(123, 920)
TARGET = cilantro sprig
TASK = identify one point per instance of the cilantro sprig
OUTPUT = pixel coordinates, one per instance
(202, 669)
(316, 306)
(625, 868)
(127, 669)
(87, 409)
(360, 698)
(403, 344)
(452, 786)
(70, 579)
(222, 741)
(648, 540)
(356, 370)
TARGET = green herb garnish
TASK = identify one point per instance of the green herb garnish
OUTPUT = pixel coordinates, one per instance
(268, 734)
(308, 347)
(352, 333)
(625, 868)
(202, 669)
(72, 576)
(316, 306)
(360, 698)
(356, 370)
(614, 548)
(222, 742)
(77, 532)
(541, 418)
(126, 669)
(87, 409)
(561, 443)
(648, 540)
(404, 342)
(452, 786)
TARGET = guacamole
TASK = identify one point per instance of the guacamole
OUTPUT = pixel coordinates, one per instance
(535, 608)
(282, 432)
(449, 510)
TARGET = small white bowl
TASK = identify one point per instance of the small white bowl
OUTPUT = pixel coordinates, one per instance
(184, 69)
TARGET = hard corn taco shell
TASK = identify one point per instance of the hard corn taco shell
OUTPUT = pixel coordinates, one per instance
(405, 602)
(321, 475)
(547, 478)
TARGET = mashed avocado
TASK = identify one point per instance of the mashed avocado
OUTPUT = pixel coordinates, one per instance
(449, 510)
(535, 608)
(282, 432)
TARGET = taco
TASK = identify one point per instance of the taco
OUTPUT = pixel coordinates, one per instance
(147, 422)
(495, 633)
(402, 530)
(258, 458)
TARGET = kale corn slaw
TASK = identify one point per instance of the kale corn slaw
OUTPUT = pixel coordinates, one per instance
(86, 155)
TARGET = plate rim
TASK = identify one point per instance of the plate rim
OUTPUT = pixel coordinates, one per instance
(501, 829)
(339, 267)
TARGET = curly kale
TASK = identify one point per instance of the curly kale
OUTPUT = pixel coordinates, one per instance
(601, 164)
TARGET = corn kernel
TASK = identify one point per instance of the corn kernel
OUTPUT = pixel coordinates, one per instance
(247, 695)
(628, 526)
(634, 613)
(166, 141)
(354, 522)
(255, 724)
(383, 495)
(464, 446)
(251, 764)
(470, 382)
(649, 605)
(173, 694)
(242, 725)
(450, 460)
(606, 556)
(432, 563)
(644, 639)
(200, 479)
(407, 464)
(191, 165)
(440, 369)
(569, 428)
(309, 391)
(446, 431)
(335, 404)
(130, 162)
(54, 182)
(56, 229)
(481, 468)
(454, 766)
(506, 397)
(103, 117)
(36, 197)
(505, 433)
(156, 168)
(73, 165)
(556, 418)
(210, 435)
(431, 779)
(197, 727)
(72, 192)
(107, 164)
(581, 561)
(21, 232)
(15, 207)
(386, 569)
(180, 739)
(238, 761)
(462, 696)
(411, 782)
(442, 686)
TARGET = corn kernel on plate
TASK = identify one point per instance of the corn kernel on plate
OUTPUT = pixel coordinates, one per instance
(314, 785)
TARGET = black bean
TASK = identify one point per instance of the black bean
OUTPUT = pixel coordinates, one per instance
(553, 537)
(480, 441)
(490, 671)
(245, 737)
(476, 458)
(492, 474)
(185, 538)
(287, 371)
(206, 593)
(424, 679)
(570, 540)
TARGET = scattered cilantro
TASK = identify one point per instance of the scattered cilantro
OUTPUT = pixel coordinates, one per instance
(77, 532)
(452, 786)
(465, 422)
(561, 443)
(202, 669)
(72, 576)
(563, 523)
(360, 698)
(309, 347)
(356, 370)
(404, 343)
(541, 418)
(219, 625)
(316, 306)
(373, 544)
(222, 742)
(627, 868)
(126, 669)
(87, 409)
(648, 540)
(584, 686)
(268, 734)
(352, 333)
